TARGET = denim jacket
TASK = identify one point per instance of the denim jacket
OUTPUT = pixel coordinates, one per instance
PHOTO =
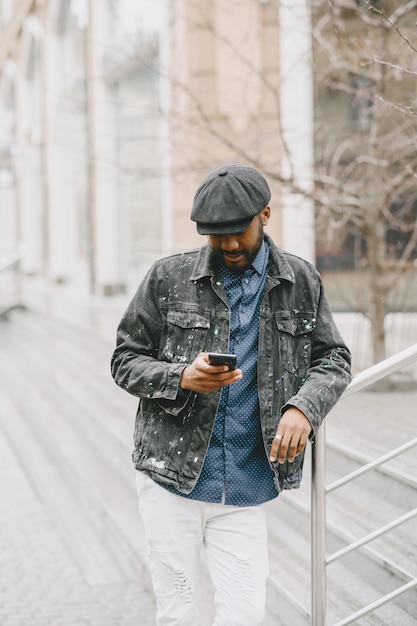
(179, 310)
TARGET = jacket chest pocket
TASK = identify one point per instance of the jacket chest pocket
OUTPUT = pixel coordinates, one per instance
(295, 340)
(185, 337)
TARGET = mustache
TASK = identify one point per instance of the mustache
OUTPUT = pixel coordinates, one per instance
(232, 253)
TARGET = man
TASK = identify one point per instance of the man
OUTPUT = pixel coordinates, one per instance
(214, 444)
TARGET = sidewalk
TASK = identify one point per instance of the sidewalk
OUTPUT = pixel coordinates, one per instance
(98, 314)
(65, 560)
(40, 582)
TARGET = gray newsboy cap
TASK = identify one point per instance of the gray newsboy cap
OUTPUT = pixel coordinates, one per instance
(228, 199)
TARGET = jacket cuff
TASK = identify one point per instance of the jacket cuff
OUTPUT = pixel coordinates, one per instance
(176, 399)
(309, 410)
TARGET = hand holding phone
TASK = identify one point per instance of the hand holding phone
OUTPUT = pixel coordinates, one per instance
(201, 377)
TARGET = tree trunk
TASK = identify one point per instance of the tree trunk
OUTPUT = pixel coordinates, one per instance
(379, 290)
(378, 312)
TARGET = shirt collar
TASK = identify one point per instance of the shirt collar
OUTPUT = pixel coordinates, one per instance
(258, 266)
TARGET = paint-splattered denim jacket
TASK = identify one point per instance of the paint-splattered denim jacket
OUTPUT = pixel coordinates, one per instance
(179, 310)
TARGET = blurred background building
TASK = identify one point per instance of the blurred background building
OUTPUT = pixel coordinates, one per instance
(112, 112)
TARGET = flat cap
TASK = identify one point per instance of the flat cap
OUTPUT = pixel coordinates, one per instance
(228, 199)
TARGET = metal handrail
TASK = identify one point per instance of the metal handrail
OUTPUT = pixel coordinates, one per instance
(375, 605)
(319, 561)
(371, 536)
(369, 466)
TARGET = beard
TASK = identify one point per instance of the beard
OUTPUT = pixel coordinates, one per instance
(246, 256)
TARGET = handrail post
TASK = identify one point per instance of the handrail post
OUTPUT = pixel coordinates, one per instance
(318, 529)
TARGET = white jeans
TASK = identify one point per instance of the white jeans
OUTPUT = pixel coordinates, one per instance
(235, 543)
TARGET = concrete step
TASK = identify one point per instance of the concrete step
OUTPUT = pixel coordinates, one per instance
(89, 506)
(62, 433)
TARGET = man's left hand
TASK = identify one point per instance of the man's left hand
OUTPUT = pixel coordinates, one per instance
(292, 435)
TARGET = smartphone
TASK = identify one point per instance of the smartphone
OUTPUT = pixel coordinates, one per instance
(216, 358)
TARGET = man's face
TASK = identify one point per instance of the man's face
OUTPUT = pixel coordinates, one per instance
(238, 251)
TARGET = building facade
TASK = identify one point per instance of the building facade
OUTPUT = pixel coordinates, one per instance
(111, 114)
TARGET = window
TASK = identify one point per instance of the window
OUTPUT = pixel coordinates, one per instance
(359, 108)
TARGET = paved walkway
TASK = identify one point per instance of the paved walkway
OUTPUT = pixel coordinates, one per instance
(66, 558)
(41, 584)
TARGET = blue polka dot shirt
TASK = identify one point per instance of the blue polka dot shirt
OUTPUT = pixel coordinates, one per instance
(236, 469)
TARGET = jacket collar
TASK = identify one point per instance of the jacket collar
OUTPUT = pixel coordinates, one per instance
(279, 268)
